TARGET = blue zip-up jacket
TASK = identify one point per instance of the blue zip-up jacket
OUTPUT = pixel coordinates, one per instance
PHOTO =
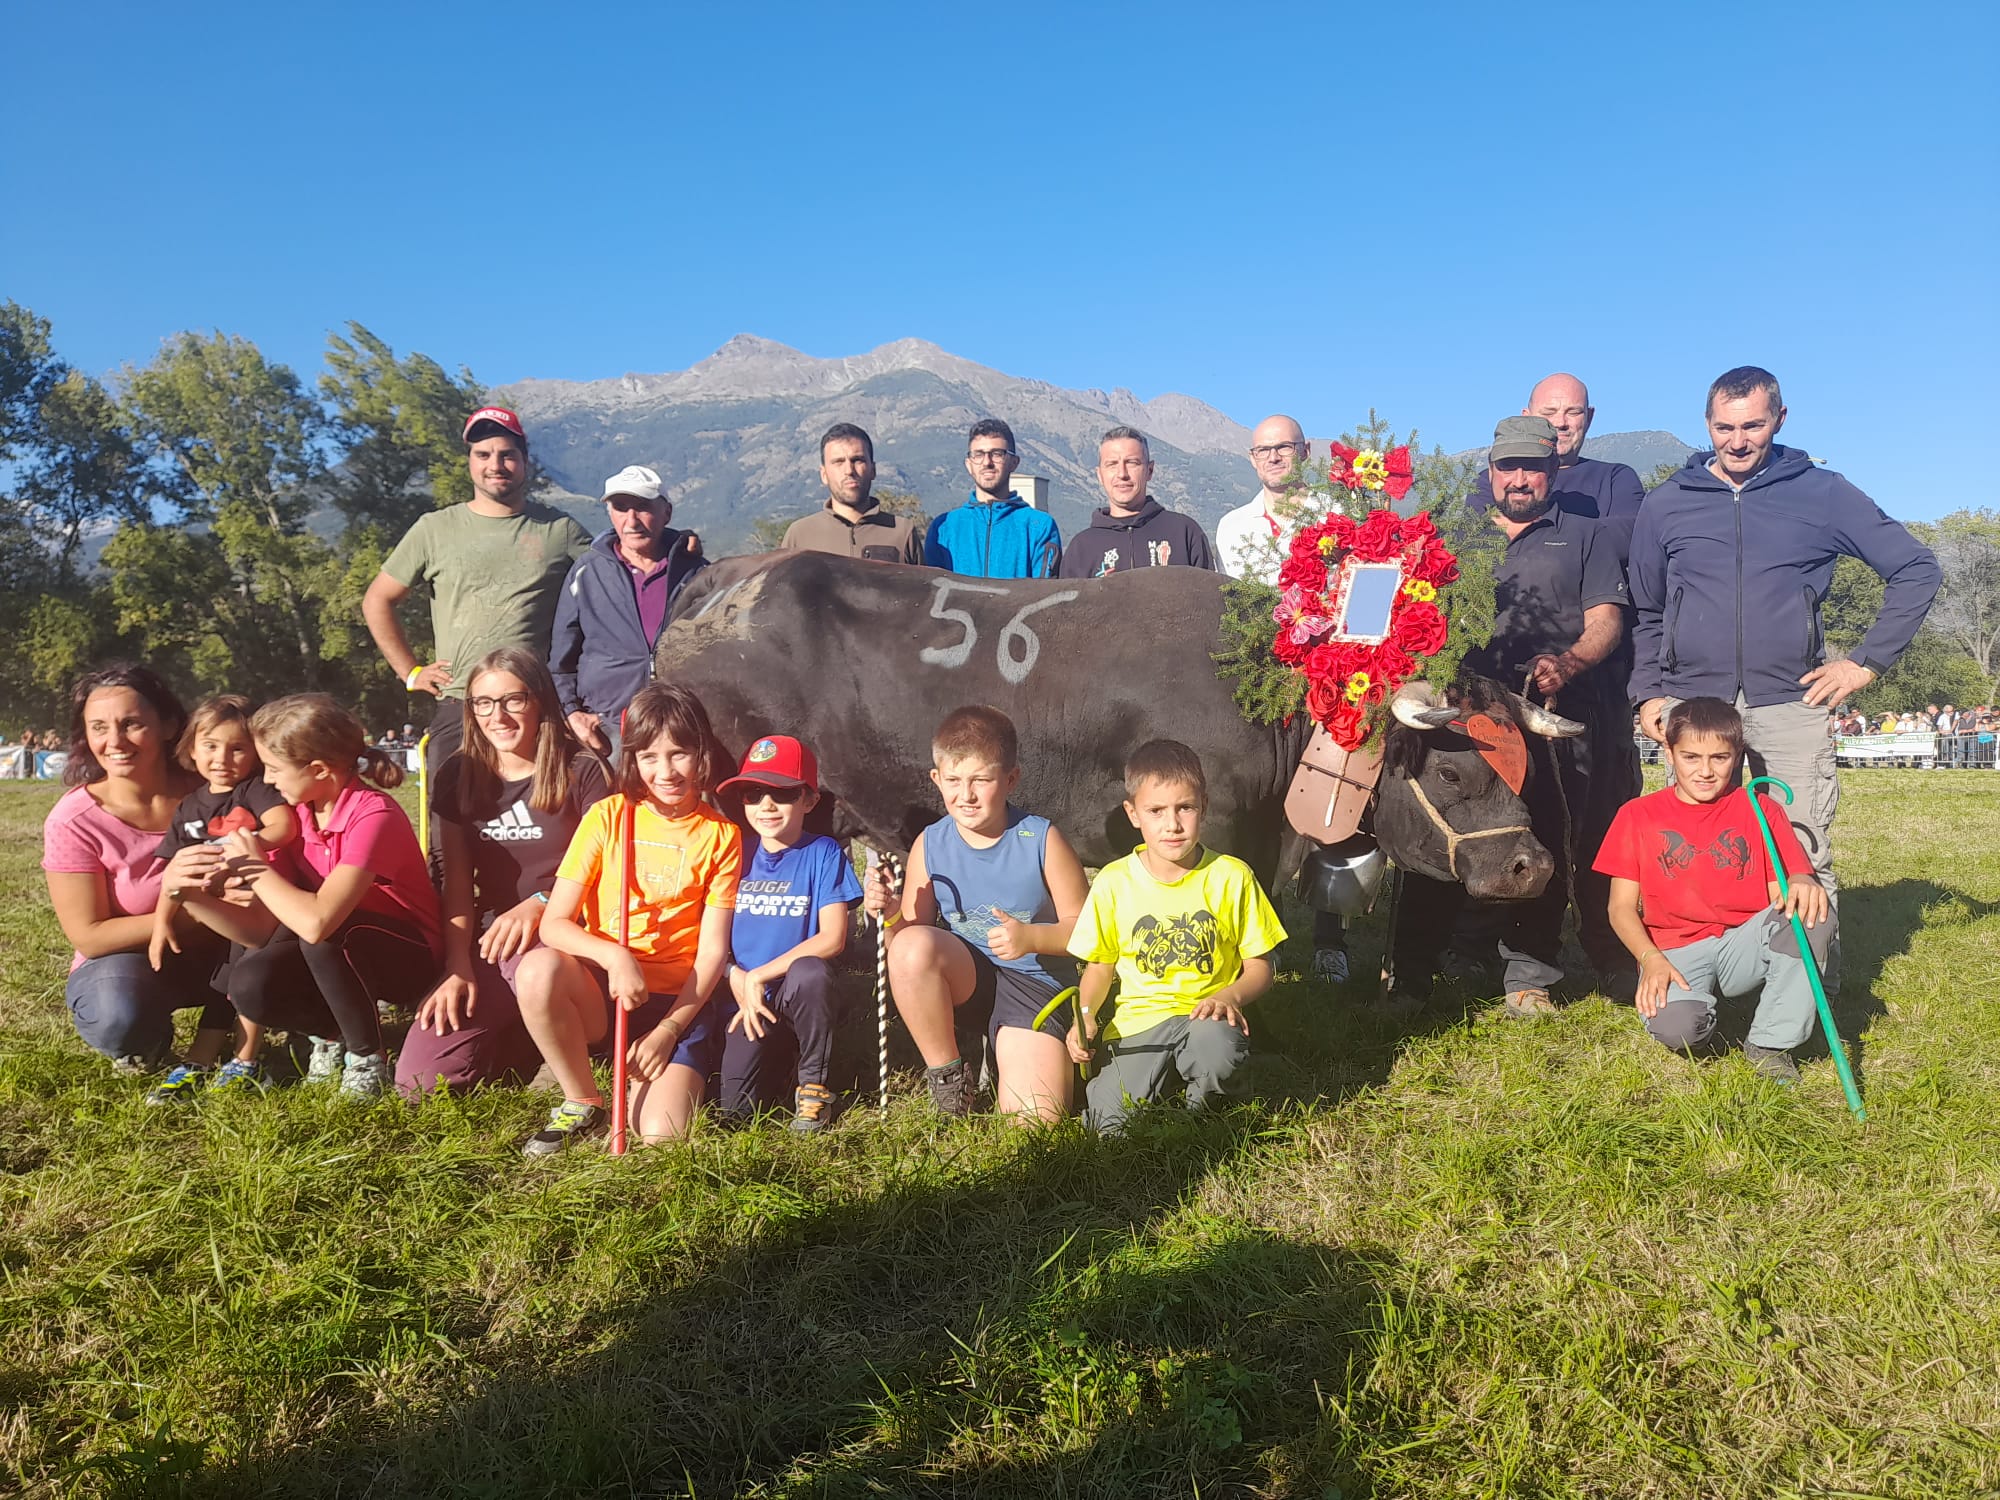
(994, 539)
(1728, 587)
(598, 651)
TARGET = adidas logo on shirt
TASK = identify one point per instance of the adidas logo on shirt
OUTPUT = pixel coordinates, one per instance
(513, 826)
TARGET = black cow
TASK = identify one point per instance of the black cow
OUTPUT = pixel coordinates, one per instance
(862, 659)
(1442, 811)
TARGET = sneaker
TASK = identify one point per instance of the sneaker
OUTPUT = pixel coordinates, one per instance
(177, 1087)
(951, 1088)
(1773, 1063)
(1525, 1005)
(812, 1108)
(329, 1060)
(568, 1121)
(1329, 965)
(238, 1075)
(365, 1075)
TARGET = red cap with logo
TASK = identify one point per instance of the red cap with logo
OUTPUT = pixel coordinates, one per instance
(499, 416)
(775, 760)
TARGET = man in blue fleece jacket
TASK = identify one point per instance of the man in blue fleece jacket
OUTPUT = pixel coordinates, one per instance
(615, 603)
(995, 534)
(1731, 561)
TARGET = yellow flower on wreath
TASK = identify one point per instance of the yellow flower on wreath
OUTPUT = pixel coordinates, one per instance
(1420, 590)
(1357, 687)
(1370, 468)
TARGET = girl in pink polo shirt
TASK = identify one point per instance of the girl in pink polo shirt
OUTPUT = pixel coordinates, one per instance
(365, 931)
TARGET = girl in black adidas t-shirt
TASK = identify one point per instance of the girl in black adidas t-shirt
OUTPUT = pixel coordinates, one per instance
(507, 804)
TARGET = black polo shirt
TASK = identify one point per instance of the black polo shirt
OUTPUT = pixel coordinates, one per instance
(1562, 565)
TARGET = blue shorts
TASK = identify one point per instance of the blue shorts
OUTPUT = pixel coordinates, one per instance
(700, 1045)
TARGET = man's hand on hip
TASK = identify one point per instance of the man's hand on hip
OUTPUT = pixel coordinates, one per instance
(1832, 683)
(584, 725)
(1652, 719)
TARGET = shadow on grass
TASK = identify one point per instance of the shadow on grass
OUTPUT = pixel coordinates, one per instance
(1029, 1331)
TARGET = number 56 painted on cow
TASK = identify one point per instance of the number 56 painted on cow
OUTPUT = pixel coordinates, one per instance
(1019, 647)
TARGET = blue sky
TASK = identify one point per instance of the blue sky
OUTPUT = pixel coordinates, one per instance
(1312, 209)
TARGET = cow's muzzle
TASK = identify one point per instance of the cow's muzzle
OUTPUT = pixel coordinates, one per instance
(1517, 874)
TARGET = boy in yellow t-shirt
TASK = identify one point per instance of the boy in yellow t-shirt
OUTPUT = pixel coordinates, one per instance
(1186, 932)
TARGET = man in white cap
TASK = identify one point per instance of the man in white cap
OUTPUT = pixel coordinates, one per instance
(494, 566)
(615, 603)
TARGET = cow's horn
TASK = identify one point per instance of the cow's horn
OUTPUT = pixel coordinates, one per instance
(1538, 720)
(1415, 705)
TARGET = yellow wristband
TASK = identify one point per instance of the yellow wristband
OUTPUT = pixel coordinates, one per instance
(410, 682)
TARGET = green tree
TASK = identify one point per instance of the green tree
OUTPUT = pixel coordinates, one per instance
(1967, 611)
(29, 368)
(1935, 669)
(80, 467)
(236, 589)
(399, 422)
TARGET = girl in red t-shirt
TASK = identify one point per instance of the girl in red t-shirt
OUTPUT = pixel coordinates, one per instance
(1693, 896)
(362, 931)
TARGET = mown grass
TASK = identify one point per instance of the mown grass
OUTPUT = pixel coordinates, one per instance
(1475, 1258)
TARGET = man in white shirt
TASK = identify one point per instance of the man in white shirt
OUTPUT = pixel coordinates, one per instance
(1250, 541)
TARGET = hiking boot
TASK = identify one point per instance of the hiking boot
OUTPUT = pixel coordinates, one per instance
(568, 1121)
(179, 1086)
(812, 1108)
(951, 1088)
(328, 1061)
(1329, 966)
(1773, 1063)
(365, 1076)
(1526, 1005)
(240, 1076)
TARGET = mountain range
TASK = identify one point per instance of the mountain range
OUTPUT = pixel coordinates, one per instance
(735, 436)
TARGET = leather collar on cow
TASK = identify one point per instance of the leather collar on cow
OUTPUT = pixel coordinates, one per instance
(1452, 837)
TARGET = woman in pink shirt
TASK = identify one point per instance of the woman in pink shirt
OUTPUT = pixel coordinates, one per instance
(100, 859)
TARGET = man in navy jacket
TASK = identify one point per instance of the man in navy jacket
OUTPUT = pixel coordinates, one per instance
(615, 603)
(1731, 561)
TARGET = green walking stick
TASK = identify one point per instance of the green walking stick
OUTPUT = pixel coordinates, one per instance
(1833, 1045)
(1082, 1020)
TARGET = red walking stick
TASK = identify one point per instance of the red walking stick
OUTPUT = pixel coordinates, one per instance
(627, 837)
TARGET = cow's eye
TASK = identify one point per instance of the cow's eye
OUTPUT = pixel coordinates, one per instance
(1446, 773)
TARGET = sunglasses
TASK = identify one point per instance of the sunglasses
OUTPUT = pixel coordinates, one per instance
(784, 796)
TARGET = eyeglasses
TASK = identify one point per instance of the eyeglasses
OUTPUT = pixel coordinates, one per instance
(515, 704)
(784, 796)
(985, 458)
(1275, 450)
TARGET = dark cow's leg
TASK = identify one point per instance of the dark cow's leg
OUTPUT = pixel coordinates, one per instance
(1424, 919)
(1531, 933)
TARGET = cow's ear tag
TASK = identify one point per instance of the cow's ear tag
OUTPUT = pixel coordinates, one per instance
(1500, 745)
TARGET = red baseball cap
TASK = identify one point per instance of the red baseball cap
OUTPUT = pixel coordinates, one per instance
(775, 760)
(499, 416)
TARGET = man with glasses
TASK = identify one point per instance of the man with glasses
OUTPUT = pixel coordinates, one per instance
(1250, 541)
(995, 534)
(852, 522)
(615, 603)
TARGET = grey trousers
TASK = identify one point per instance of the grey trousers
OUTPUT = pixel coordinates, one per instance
(1761, 951)
(1135, 1069)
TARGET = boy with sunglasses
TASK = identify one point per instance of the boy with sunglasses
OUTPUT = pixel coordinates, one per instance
(790, 924)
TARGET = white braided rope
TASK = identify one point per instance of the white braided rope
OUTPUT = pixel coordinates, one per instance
(882, 996)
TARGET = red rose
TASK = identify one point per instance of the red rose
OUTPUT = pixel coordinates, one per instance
(1336, 661)
(1292, 653)
(1348, 724)
(1379, 537)
(1398, 478)
(1308, 573)
(1418, 530)
(1393, 666)
(1340, 464)
(1420, 629)
(1435, 565)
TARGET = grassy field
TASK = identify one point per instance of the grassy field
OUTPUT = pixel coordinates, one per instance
(1463, 1257)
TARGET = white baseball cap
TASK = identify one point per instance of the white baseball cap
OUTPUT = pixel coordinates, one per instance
(635, 480)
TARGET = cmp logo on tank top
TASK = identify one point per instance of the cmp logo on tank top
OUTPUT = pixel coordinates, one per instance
(513, 826)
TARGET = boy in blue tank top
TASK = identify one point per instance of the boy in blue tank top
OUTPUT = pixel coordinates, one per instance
(981, 936)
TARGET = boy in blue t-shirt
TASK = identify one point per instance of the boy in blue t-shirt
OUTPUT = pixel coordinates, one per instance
(790, 923)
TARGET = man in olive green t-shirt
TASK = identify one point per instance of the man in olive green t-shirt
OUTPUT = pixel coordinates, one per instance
(495, 566)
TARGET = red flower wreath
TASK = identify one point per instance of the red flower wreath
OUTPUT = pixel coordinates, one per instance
(1347, 682)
